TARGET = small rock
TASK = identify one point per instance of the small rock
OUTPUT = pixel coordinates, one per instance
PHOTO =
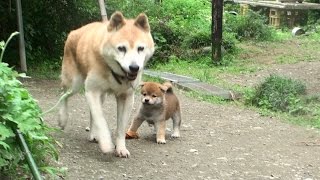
(193, 150)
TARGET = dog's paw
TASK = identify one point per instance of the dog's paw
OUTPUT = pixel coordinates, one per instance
(92, 137)
(122, 152)
(132, 135)
(93, 140)
(175, 135)
(106, 147)
(161, 141)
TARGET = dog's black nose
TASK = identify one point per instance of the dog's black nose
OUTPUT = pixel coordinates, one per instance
(146, 100)
(134, 68)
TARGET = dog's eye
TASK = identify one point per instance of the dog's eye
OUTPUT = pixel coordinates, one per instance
(144, 94)
(154, 96)
(122, 49)
(140, 49)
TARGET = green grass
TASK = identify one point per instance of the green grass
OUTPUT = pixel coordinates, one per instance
(44, 70)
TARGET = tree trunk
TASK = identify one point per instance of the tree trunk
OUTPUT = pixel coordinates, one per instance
(217, 15)
(103, 10)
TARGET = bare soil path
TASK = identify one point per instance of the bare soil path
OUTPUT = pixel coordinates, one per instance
(218, 142)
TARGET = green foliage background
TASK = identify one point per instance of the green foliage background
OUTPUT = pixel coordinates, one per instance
(18, 110)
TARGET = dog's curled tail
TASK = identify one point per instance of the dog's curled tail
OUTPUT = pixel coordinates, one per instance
(169, 87)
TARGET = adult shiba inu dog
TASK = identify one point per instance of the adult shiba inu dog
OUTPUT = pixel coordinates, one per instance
(106, 57)
(159, 104)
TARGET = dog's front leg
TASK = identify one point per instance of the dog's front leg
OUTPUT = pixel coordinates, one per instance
(124, 107)
(99, 127)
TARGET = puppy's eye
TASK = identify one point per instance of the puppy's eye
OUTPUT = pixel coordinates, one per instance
(154, 96)
(140, 49)
(144, 94)
(122, 49)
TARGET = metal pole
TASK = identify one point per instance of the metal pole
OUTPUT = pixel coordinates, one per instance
(103, 10)
(22, 48)
(32, 165)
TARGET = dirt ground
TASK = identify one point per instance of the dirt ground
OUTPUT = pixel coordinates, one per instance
(218, 141)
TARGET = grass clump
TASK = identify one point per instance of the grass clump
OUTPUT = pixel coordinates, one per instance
(278, 93)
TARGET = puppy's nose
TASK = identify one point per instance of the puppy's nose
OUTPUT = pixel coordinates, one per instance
(134, 68)
(146, 100)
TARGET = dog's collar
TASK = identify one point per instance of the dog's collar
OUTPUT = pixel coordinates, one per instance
(117, 77)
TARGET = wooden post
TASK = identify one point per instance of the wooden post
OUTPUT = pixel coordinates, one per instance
(103, 10)
(22, 48)
(217, 15)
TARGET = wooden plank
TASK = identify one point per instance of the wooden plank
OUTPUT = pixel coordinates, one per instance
(279, 5)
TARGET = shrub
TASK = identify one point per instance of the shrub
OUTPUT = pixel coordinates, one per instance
(18, 110)
(278, 93)
(249, 26)
(176, 25)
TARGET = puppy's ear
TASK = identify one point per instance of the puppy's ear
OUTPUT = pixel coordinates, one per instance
(116, 21)
(163, 88)
(142, 22)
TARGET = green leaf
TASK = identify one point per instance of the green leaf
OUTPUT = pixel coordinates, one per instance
(37, 136)
(5, 132)
(3, 162)
(4, 145)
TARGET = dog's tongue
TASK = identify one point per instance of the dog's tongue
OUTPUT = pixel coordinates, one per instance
(132, 76)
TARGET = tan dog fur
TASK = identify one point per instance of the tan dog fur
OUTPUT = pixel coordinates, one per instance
(159, 104)
(106, 57)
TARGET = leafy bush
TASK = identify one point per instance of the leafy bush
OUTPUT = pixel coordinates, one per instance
(18, 110)
(278, 93)
(249, 26)
(177, 25)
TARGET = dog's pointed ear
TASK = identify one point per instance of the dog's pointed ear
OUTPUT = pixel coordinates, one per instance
(141, 84)
(163, 88)
(116, 21)
(142, 22)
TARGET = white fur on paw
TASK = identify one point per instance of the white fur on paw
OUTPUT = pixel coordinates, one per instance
(122, 152)
(94, 140)
(175, 135)
(93, 137)
(161, 141)
(106, 147)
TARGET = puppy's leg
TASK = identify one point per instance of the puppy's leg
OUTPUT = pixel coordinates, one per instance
(161, 131)
(124, 106)
(176, 119)
(100, 130)
(132, 131)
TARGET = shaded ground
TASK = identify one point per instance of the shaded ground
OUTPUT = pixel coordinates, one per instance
(218, 142)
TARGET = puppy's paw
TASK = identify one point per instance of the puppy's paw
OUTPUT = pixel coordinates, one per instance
(161, 141)
(132, 135)
(122, 152)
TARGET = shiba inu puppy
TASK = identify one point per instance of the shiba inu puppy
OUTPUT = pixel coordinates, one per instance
(106, 57)
(159, 104)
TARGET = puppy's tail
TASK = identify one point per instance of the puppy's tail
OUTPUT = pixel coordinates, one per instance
(169, 87)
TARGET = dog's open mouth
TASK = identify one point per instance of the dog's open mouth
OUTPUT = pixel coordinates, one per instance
(132, 76)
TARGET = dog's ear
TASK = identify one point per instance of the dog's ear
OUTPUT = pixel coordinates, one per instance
(142, 22)
(142, 84)
(116, 21)
(163, 88)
